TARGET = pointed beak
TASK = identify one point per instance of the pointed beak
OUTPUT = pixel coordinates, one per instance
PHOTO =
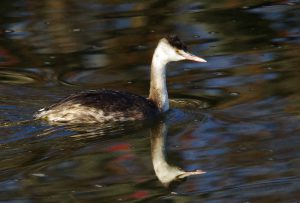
(190, 173)
(191, 57)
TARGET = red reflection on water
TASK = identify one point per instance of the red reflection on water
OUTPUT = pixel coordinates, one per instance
(118, 147)
(138, 195)
(8, 58)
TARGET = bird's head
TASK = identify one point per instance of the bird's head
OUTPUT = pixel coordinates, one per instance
(173, 49)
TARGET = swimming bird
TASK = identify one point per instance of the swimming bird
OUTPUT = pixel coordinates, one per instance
(98, 106)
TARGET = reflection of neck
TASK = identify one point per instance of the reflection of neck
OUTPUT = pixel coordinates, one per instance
(158, 88)
(164, 172)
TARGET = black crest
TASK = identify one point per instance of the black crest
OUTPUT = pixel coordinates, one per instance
(176, 42)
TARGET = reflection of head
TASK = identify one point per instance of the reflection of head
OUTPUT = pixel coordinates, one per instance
(167, 174)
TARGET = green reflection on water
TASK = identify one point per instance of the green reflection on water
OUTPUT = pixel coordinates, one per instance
(247, 143)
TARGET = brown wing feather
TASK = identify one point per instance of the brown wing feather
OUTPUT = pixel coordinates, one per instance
(111, 101)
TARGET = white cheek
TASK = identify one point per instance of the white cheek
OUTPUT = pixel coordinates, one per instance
(167, 52)
(176, 57)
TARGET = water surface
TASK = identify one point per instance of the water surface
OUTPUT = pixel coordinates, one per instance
(235, 117)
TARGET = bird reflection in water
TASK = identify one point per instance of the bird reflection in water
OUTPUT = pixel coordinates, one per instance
(167, 174)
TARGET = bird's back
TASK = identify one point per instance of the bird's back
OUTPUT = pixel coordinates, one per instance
(100, 106)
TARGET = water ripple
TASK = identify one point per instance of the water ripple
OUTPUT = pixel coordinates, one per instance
(19, 77)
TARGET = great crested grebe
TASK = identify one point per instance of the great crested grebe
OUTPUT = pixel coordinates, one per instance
(110, 105)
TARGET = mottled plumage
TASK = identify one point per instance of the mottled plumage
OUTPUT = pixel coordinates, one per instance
(100, 106)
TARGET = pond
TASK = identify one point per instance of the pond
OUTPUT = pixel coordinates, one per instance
(235, 117)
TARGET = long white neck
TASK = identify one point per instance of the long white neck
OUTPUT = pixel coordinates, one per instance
(158, 87)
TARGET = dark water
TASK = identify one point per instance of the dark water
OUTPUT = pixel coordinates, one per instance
(246, 138)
